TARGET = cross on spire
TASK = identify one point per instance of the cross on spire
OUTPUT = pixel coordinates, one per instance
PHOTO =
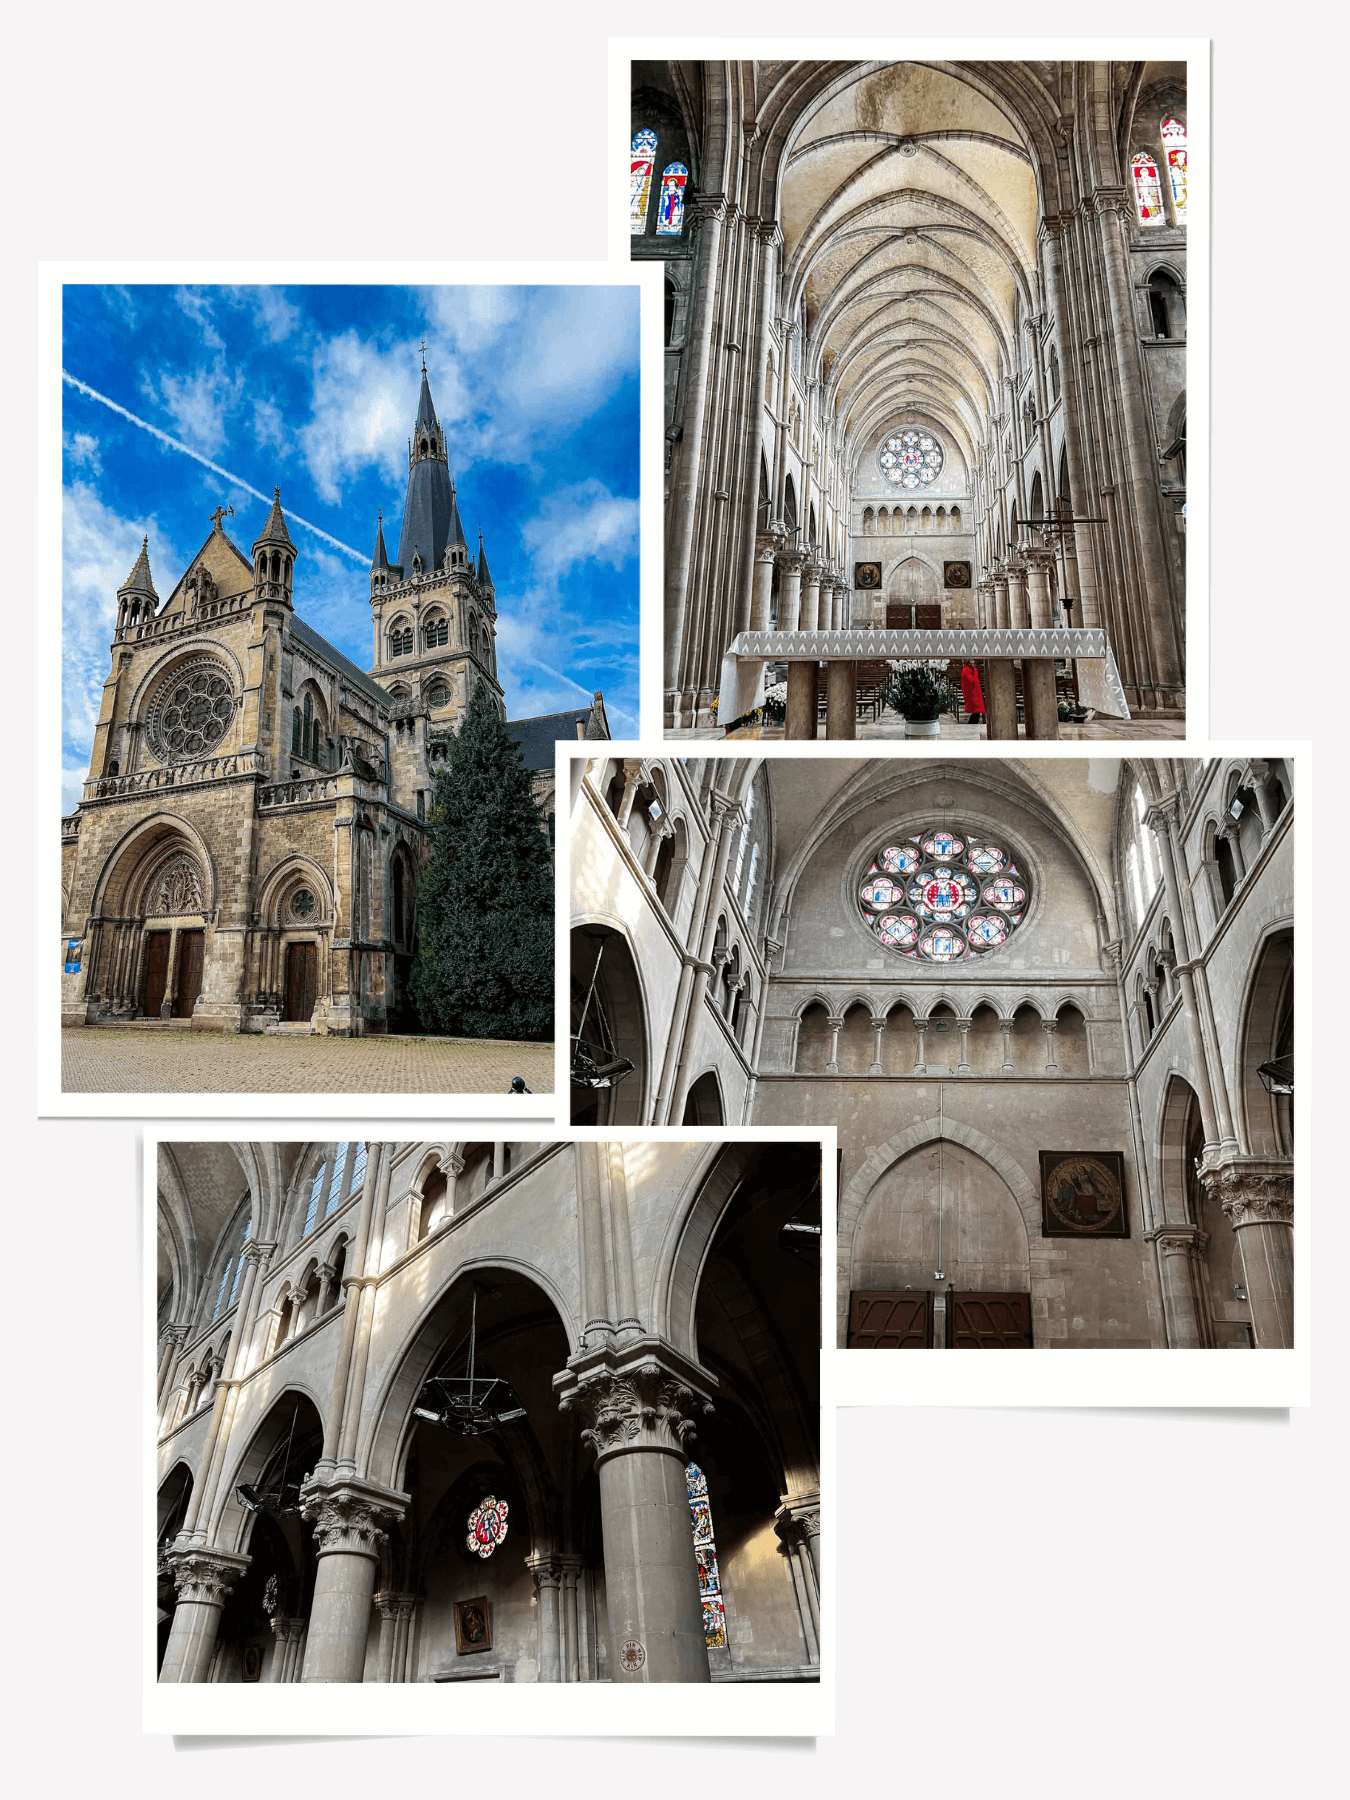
(219, 514)
(424, 355)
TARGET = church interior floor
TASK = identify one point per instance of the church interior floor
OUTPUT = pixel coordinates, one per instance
(892, 726)
(109, 1060)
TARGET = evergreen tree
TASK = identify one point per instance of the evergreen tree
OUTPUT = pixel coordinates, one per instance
(485, 905)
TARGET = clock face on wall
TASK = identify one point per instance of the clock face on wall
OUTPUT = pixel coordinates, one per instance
(910, 459)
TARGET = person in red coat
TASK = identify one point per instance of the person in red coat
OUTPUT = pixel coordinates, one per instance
(972, 695)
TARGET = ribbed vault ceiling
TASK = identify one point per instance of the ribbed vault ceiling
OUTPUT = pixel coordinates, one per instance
(908, 207)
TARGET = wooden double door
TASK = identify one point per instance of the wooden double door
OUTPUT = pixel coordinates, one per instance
(907, 1321)
(903, 615)
(302, 982)
(187, 985)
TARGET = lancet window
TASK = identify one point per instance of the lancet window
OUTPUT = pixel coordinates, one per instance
(705, 1554)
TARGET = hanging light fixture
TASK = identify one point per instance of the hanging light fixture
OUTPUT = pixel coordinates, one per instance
(595, 1064)
(275, 1493)
(470, 1404)
(1277, 1075)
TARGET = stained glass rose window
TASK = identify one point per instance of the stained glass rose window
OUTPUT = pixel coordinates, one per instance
(944, 895)
(911, 458)
(191, 710)
(487, 1526)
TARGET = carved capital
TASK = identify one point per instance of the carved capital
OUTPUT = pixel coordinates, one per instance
(348, 1517)
(204, 1577)
(545, 1568)
(1180, 1240)
(791, 562)
(1161, 817)
(392, 1606)
(645, 1399)
(1252, 1192)
(287, 1631)
(702, 210)
(797, 1520)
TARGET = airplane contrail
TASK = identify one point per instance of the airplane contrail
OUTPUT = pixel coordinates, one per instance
(238, 480)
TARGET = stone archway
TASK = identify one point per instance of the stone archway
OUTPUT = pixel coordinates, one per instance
(854, 1200)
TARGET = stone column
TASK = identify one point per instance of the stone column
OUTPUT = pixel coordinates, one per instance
(1006, 1026)
(1230, 831)
(1000, 698)
(920, 1064)
(636, 1409)
(1052, 230)
(791, 563)
(836, 1025)
(203, 1578)
(706, 215)
(963, 1026)
(1258, 776)
(1038, 564)
(664, 829)
(325, 1272)
(1050, 1027)
(802, 684)
(810, 602)
(1040, 705)
(175, 1336)
(767, 546)
(727, 818)
(288, 1633)
(1258, 1199)
(838, 595)
(547, 1572)
(841, 699)
(1180, 1247)
(632, 778)
(797, 1524)
(387, 1605)
(1002, 615)
(571, 1630)
(985, 608)
(347, 1518)
(1018, 609)
(878, 1026)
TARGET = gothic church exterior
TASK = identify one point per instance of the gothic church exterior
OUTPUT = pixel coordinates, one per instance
(246, 853)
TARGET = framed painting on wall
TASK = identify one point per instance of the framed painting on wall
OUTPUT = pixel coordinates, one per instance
(1083, 1194)
(473, 1625)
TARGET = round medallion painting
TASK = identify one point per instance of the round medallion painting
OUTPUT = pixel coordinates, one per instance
(487, 1526)
(943, 895)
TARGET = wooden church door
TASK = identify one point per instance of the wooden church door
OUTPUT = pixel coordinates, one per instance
(302, 981)
(990, 1322)
(191, 956)
(890, 1321)
(156, 972)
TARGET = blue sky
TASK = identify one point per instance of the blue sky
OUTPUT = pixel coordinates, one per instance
(314, 390)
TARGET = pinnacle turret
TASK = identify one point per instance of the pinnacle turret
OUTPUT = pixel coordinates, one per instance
(482, 575)
(274, 555)
(136, 598)
(139, 581)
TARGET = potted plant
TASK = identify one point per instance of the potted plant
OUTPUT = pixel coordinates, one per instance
(919, 691)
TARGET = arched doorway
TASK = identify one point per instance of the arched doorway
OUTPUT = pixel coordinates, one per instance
(940, 1257)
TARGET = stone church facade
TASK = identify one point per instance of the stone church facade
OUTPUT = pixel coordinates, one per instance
(1048, 1005)
(987, 256)
(247, 850)
(631, 1491)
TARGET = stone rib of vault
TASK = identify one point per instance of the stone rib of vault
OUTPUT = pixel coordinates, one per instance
(742, 687)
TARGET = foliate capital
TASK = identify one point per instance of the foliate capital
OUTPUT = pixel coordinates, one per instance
(791, 561)
(1161, 817)
(1251, 1192)
(645, 1397)
(798, 1518)
(349, 1516)
(255, 1251)
(204, 1577)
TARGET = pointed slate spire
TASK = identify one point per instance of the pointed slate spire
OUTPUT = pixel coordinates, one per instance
(379, 560)
(139, 581)
(429, 506)
(426, 412)
(484, 578)
(454, 538)
(274, 531)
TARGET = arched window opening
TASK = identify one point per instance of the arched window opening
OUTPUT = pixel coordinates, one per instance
(335, 1181)
(434, 1203)
(437, 632)
(1223, 856)
(315, 1196)
(1166, 307)
(307, 729)
(1037, 499)
(1148, 203)
(1174, 149)
(339, 1265)
(228, 1290)
(670, 206)
(295, 732)
(1148, 1013)
(670, 312)
(641, 165)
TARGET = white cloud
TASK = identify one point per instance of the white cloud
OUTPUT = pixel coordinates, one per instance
(269, 427)
(198, 308)
(583, 523)
(200, 403)
(82, 452)
(274, 313)
(98, 550)
(363, 406)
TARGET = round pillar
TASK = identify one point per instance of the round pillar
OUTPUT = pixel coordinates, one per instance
(203, 1578)
(790, 589)
(810, 602)
(1040, 706)
(1258, 1199)
(346, 1516)
(637, 1422)
(1178, 1248)
(800, 719)
(1018, 607)
(761, 605)
(547, 1573)
(841, 700)
(1038, 588)
(1000, 697)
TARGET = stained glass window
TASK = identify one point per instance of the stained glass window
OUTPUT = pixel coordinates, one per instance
(911, 459)
(315, 1195)
(358, 1166)
(644, 152)
(705, 1554)
(487, 1526)
(335, 1182)
(670, 206)
(943, 895)
(1174, 147)
(1147, 189)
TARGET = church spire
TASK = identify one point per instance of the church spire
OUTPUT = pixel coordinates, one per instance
(136, 598)
(483, 577)
(274, 555)
(430, 517)
(380, 571)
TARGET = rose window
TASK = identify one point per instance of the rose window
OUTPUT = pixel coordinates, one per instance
(487, 1526)
(302, 903)
(943, 896)
(911, 459)
(191, 712)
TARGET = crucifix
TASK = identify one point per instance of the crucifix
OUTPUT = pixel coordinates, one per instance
(423, 348)
(219, 514)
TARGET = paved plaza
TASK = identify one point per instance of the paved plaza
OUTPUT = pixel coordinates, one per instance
(108, 1059)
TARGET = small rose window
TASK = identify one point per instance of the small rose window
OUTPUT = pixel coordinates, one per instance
(944, 896)
(302, 903)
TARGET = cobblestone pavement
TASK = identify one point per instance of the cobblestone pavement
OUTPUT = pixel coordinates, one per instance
(102, 1059)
